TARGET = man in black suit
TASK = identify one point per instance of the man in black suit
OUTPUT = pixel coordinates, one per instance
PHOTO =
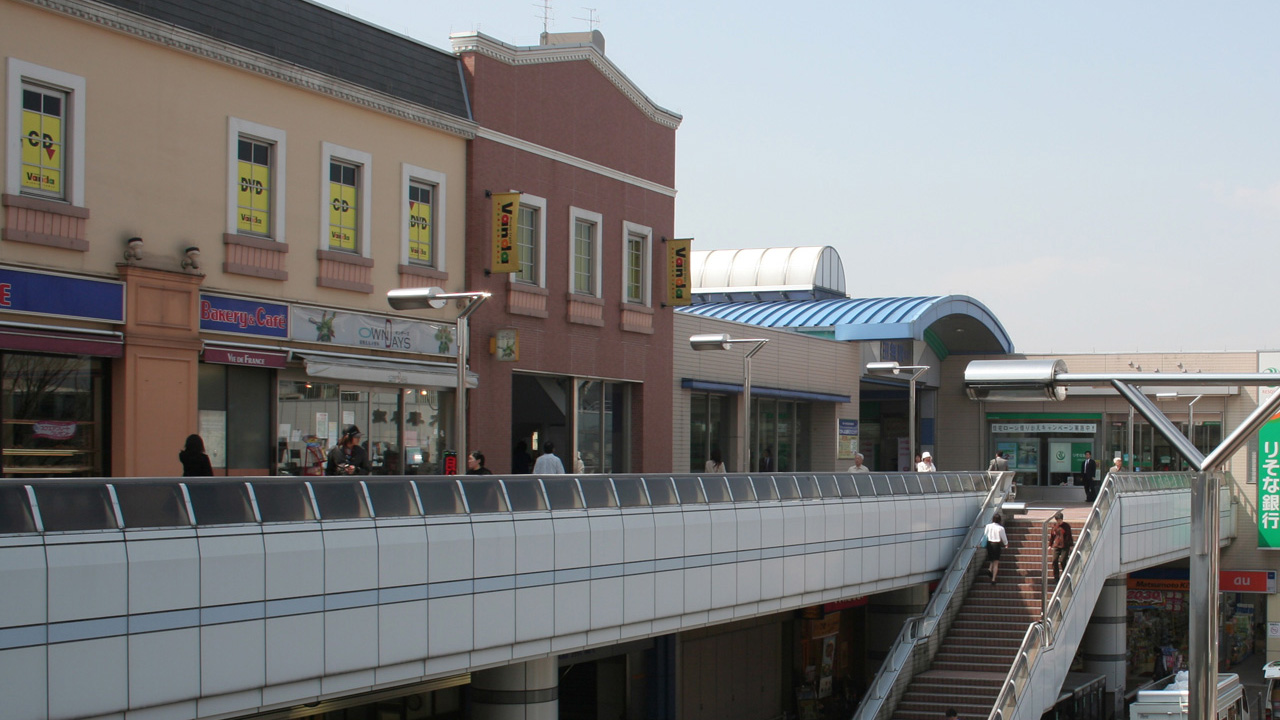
(1089, 471)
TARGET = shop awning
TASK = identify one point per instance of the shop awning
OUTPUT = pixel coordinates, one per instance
(756, 391)
(379, 370)
(34, 339)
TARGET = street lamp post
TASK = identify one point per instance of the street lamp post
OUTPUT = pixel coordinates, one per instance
(436, 298)
(894, 368)
(1048, 379)
(722, 341)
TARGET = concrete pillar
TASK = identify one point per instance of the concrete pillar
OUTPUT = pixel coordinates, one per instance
(523, 691)
(1104, 644)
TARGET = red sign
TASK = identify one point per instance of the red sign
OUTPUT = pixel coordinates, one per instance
(54, 429)
(248, 358)
(1252, 581)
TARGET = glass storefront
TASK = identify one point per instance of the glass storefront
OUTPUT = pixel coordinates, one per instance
(708, 428)
(405, 429)
(602, 423)
(235, 418)
(1154, 453)
(52, 415)
(780, 427)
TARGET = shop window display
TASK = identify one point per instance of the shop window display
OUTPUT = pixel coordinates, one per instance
(52, 416)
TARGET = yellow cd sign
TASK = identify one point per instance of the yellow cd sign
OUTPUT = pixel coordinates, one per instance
(505, 257)
(42, 143)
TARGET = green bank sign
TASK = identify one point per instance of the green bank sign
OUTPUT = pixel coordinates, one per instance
(1269, 485)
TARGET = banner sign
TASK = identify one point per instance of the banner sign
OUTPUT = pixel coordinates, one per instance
(334, 327)
(40, 293)
(1177, 580)
(679, 279)
(247, 358)
(1269, 485)
(1083, 428)
(847, 443)
(506, 259)
(243, 317)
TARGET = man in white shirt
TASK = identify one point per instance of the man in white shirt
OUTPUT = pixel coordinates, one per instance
(857, 464)
(926, 463)
(547, 463)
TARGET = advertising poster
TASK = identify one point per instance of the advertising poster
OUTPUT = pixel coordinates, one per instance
(847, 443)
(505, 258)
(1269, 485)
(679, 282)
(1010, 450)
(1059, 457)
(316, 325)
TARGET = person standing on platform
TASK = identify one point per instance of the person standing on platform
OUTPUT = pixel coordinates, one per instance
(999, 463)
(521, 463)
(195, 461)
(857, 465)
(715, 465)
(766, 460)
(348, 457)
(1089, 475)
(475, 464)
(547, 463)
(926, 463)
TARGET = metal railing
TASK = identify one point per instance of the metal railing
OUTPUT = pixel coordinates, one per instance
(920, 636)
(1041, 634)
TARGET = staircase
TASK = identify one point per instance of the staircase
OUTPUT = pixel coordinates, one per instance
(977, 652)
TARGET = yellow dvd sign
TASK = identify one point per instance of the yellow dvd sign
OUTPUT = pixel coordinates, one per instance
(505, 256)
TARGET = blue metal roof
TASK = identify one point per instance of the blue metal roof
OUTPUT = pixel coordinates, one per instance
(868, 318)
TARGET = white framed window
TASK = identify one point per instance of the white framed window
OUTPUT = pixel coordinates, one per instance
(637, 263)
(256, 169)
(531, 228)
(45, 133)
(422, 217)
(345, 199)
(584, 252)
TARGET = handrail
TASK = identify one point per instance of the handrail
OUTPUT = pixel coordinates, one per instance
(920, 628)
(1041, 634)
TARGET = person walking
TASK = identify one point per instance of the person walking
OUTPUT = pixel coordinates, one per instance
(1089, 475)
(547, 463)
(997, 541)
(926, 463)
(475, 464)
(1060, 540)
(348, 457)
(952, 714)
(857, 465)
(195, 461)
(999, 463)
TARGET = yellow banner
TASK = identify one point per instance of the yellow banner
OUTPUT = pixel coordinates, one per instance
(506, 207)
(679, 280)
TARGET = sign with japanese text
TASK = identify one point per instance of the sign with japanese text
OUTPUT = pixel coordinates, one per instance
(847, 443)
(506, 207)
(679, 277)
(38, 293)
(334, 327)
(1082, 428)
(243, 316)
(1269, 485)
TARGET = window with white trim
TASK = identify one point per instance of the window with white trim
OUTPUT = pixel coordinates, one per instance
(45, 121)
(531, 226)
(346, 200)
(636, 263)
(584, 234)
(255, 200)
(422, 219)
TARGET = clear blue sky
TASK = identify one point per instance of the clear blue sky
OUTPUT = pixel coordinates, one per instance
(1103, 176)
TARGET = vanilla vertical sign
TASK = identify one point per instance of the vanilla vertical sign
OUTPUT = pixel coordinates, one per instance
(506, 258)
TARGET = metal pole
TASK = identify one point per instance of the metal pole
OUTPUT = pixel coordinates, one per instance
(746, 398)
(1202, 635)
(1131, 465)
(460, 404)
(911, 414)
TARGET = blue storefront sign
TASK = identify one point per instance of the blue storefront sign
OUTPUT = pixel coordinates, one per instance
(61, 295)
(243, 317)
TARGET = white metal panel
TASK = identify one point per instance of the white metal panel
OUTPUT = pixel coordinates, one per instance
(638, 537)
(669, 528)
(402, 632)
(638, 597)
(450, 623)
(451, 552)
(295, 648)
(772, 586)
(23, 583)
(350, 640)
(572, 541)
(668, 593)
(402, 554)
(232, 566)
(606, 539)
(724, 530)
(295, 561)
(535, 545)
(724, 585)
(87, 579)
(572, 607)
(164, 667)
(495, 546)
(350, 556)
(747, 577)
(606, 602)
(697, 532)
(233, 657)
(88, 678)
(697, 589)
(164, 574)
(495, 613)
(534, 609)
(24, 681)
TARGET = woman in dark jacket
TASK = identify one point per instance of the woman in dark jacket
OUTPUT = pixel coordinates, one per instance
(195, 463)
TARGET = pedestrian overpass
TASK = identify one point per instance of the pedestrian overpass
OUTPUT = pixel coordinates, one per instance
(189, 598)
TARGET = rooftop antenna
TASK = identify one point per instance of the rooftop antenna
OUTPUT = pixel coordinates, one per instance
(592, 19)
(547, 17)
